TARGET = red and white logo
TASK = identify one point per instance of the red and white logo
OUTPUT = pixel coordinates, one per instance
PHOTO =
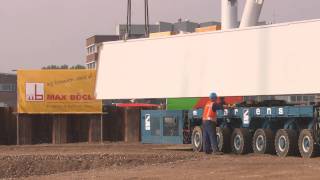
(34, 91)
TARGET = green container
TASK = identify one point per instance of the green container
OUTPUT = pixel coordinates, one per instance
(181, 103)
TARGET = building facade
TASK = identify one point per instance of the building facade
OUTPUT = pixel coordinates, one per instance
(138, 31)
(182, 26)
(92, 45)
(305, 99)
(8, 90)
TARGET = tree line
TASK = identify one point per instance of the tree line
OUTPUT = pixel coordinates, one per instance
(78, 66)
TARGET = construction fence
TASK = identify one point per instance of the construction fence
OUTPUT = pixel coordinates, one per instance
(115, 124)
(8, 126)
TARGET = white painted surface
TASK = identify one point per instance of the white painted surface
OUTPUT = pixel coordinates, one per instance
(229, 14)
(265, 60)
(251, 13)
(147, 122)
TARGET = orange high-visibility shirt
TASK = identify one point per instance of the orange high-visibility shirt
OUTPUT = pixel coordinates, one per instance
(208, 114)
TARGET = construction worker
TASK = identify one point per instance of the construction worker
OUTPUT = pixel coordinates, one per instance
(209, 123)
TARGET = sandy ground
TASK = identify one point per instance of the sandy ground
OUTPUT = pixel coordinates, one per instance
(136, 161)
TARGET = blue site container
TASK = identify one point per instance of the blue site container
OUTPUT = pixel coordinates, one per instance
(162, 127)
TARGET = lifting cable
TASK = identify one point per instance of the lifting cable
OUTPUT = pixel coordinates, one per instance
(128, 29)
(146, 18)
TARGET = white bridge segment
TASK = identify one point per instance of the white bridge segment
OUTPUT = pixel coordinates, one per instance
(266, 60)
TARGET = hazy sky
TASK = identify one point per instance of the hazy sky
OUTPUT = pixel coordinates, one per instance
(36, 33)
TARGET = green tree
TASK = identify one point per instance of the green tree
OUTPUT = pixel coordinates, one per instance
(64, 66)
(78, 66)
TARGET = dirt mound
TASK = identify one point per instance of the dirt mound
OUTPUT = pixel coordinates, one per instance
(145, 161)
(29, 165)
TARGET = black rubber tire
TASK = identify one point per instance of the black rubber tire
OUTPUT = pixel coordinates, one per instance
(289, 145)
(241, 141)
(307, 151)
(223, 137)
(197, 139)
(263, 141)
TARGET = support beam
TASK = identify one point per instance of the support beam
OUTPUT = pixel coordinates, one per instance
(24, 130)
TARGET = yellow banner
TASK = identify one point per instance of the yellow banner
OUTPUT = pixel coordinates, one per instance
(57, 92)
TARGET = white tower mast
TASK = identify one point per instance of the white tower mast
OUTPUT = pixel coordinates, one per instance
(229, 14)
(251, 13)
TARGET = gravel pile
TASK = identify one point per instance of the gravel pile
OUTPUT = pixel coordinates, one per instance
(28, 165)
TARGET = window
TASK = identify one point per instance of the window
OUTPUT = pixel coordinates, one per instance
(170, 126)
(8, 88)
(312, 98)
(91, 65)
(91, 49)
(299, 98)
(293, 98)
(155, 126)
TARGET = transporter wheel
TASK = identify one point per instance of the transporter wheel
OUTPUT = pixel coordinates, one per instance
(307, 145)
(286, 142)
(263, 141)
(223, 138)
(197, 140)
(241, 141)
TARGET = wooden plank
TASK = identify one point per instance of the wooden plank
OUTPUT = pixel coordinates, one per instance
(132, 125)
(114, 124)
(94, 128)
(59, 130)
(3, 119)
(25, 129)
(12, 128)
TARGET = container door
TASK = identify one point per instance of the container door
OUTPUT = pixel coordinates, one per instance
(151, 127)
(171, 127)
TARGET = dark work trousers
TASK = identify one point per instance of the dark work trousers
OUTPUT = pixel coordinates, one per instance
(209, 136)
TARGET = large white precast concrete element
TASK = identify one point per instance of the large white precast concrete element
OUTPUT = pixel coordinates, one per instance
(229, 14)
(279, 59)
(251, 13)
